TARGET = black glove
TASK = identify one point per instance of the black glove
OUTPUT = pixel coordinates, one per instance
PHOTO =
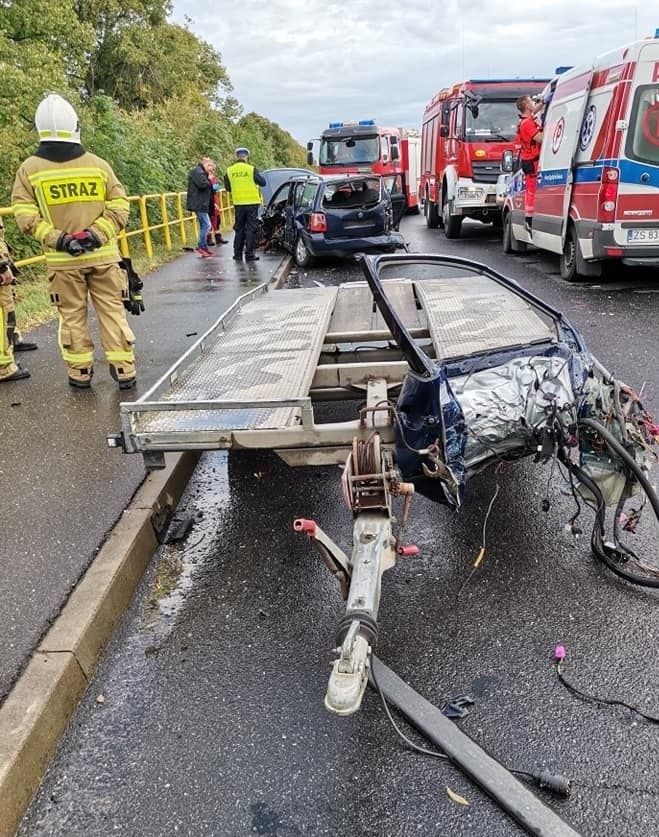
(88, 239)
(134, 304)
(69, 244)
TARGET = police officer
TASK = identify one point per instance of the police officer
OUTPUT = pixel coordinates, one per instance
(243, 181)
(9, 370)
(71, 201)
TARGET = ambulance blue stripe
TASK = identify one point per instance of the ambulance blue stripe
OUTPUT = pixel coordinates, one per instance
(630, 172)
(552, 177)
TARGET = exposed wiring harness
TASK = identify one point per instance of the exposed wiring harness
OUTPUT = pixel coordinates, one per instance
(556, 440)
(613, 553)
(559, 658)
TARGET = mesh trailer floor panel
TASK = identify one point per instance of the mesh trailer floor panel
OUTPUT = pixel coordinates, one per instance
(253, 371)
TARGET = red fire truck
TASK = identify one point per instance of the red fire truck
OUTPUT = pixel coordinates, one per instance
(466, 129)
(347, 147)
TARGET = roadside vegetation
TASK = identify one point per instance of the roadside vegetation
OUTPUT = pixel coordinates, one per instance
(151, 95)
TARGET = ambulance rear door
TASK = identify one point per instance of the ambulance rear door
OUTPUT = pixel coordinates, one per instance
(559, 147)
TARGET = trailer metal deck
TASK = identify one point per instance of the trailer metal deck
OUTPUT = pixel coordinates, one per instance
(251, 379)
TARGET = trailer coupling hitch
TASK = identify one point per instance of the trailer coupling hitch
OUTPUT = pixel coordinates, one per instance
(349, 676)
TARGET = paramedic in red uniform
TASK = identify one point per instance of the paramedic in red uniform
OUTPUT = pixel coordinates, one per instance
(530, 137)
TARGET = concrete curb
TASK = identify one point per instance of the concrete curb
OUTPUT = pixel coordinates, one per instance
(281, 273)
(38, 709)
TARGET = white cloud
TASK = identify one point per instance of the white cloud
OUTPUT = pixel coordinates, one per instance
(304, 63)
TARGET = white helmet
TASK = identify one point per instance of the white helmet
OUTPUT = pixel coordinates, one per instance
(56, 120)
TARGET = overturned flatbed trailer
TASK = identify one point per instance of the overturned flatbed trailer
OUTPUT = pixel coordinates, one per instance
(459, 368)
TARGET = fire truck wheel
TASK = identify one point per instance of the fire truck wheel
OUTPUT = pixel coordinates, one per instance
(303, 257)
(569, 256)
(432, 214)
(452, 223)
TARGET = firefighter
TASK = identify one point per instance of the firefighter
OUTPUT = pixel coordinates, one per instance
(530, 137)
(71, 201)
(243, 181)
(9, 369)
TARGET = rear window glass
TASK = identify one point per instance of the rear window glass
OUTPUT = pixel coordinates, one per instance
(351, 192)
(643, 134)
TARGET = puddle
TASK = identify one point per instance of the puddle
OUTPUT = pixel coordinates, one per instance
(198, 517)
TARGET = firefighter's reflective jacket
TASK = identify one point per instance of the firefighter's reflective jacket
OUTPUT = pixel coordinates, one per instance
(82, 193)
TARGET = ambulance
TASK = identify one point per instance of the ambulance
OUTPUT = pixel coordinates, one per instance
(597, 196)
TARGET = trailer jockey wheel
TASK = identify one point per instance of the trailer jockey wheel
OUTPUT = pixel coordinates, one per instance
(650, 125)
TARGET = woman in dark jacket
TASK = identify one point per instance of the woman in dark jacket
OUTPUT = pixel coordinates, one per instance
(200, 190)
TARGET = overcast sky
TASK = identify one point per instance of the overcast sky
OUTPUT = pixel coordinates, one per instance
(305, 63)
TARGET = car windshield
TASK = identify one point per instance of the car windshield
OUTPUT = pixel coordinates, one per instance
(491, 121)
(350, 193)
(643, 136)
(348, 151)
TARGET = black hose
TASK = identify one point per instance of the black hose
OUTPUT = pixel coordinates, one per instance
(613, 557)
(615, 447)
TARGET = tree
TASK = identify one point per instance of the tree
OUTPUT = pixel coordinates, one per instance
(275, 144)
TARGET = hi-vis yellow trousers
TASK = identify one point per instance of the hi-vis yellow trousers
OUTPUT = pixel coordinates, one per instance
(106, 286)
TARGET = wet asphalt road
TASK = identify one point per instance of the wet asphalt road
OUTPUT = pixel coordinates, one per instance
(207, 718)
(63, 489)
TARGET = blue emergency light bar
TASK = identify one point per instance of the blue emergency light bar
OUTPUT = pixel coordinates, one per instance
(347, 124)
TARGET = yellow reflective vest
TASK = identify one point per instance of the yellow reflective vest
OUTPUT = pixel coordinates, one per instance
(243, 188)
(50, 198)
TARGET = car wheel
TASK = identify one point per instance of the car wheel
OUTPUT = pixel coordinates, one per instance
(452, 223)
(303, 257)
(431, 213)
(569, 256)
(510, 243)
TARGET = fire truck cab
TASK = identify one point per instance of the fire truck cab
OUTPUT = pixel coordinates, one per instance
(597, 195)
(466, 128)
(356, 147)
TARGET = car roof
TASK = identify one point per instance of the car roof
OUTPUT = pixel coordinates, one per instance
(332, 178)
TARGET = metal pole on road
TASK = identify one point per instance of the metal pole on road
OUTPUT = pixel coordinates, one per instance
(507, 791)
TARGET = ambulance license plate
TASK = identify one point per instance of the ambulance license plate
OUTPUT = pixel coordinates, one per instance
(640, 236)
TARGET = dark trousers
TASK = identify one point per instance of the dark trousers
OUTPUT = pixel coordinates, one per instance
(245, 228)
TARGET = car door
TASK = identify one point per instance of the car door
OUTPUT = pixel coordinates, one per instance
(393, 183)
(273, 218)
(294, 211)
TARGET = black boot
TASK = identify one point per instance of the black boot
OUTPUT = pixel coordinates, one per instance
(18, 375)
(124, 383)
(83, 380)
(23, 346)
